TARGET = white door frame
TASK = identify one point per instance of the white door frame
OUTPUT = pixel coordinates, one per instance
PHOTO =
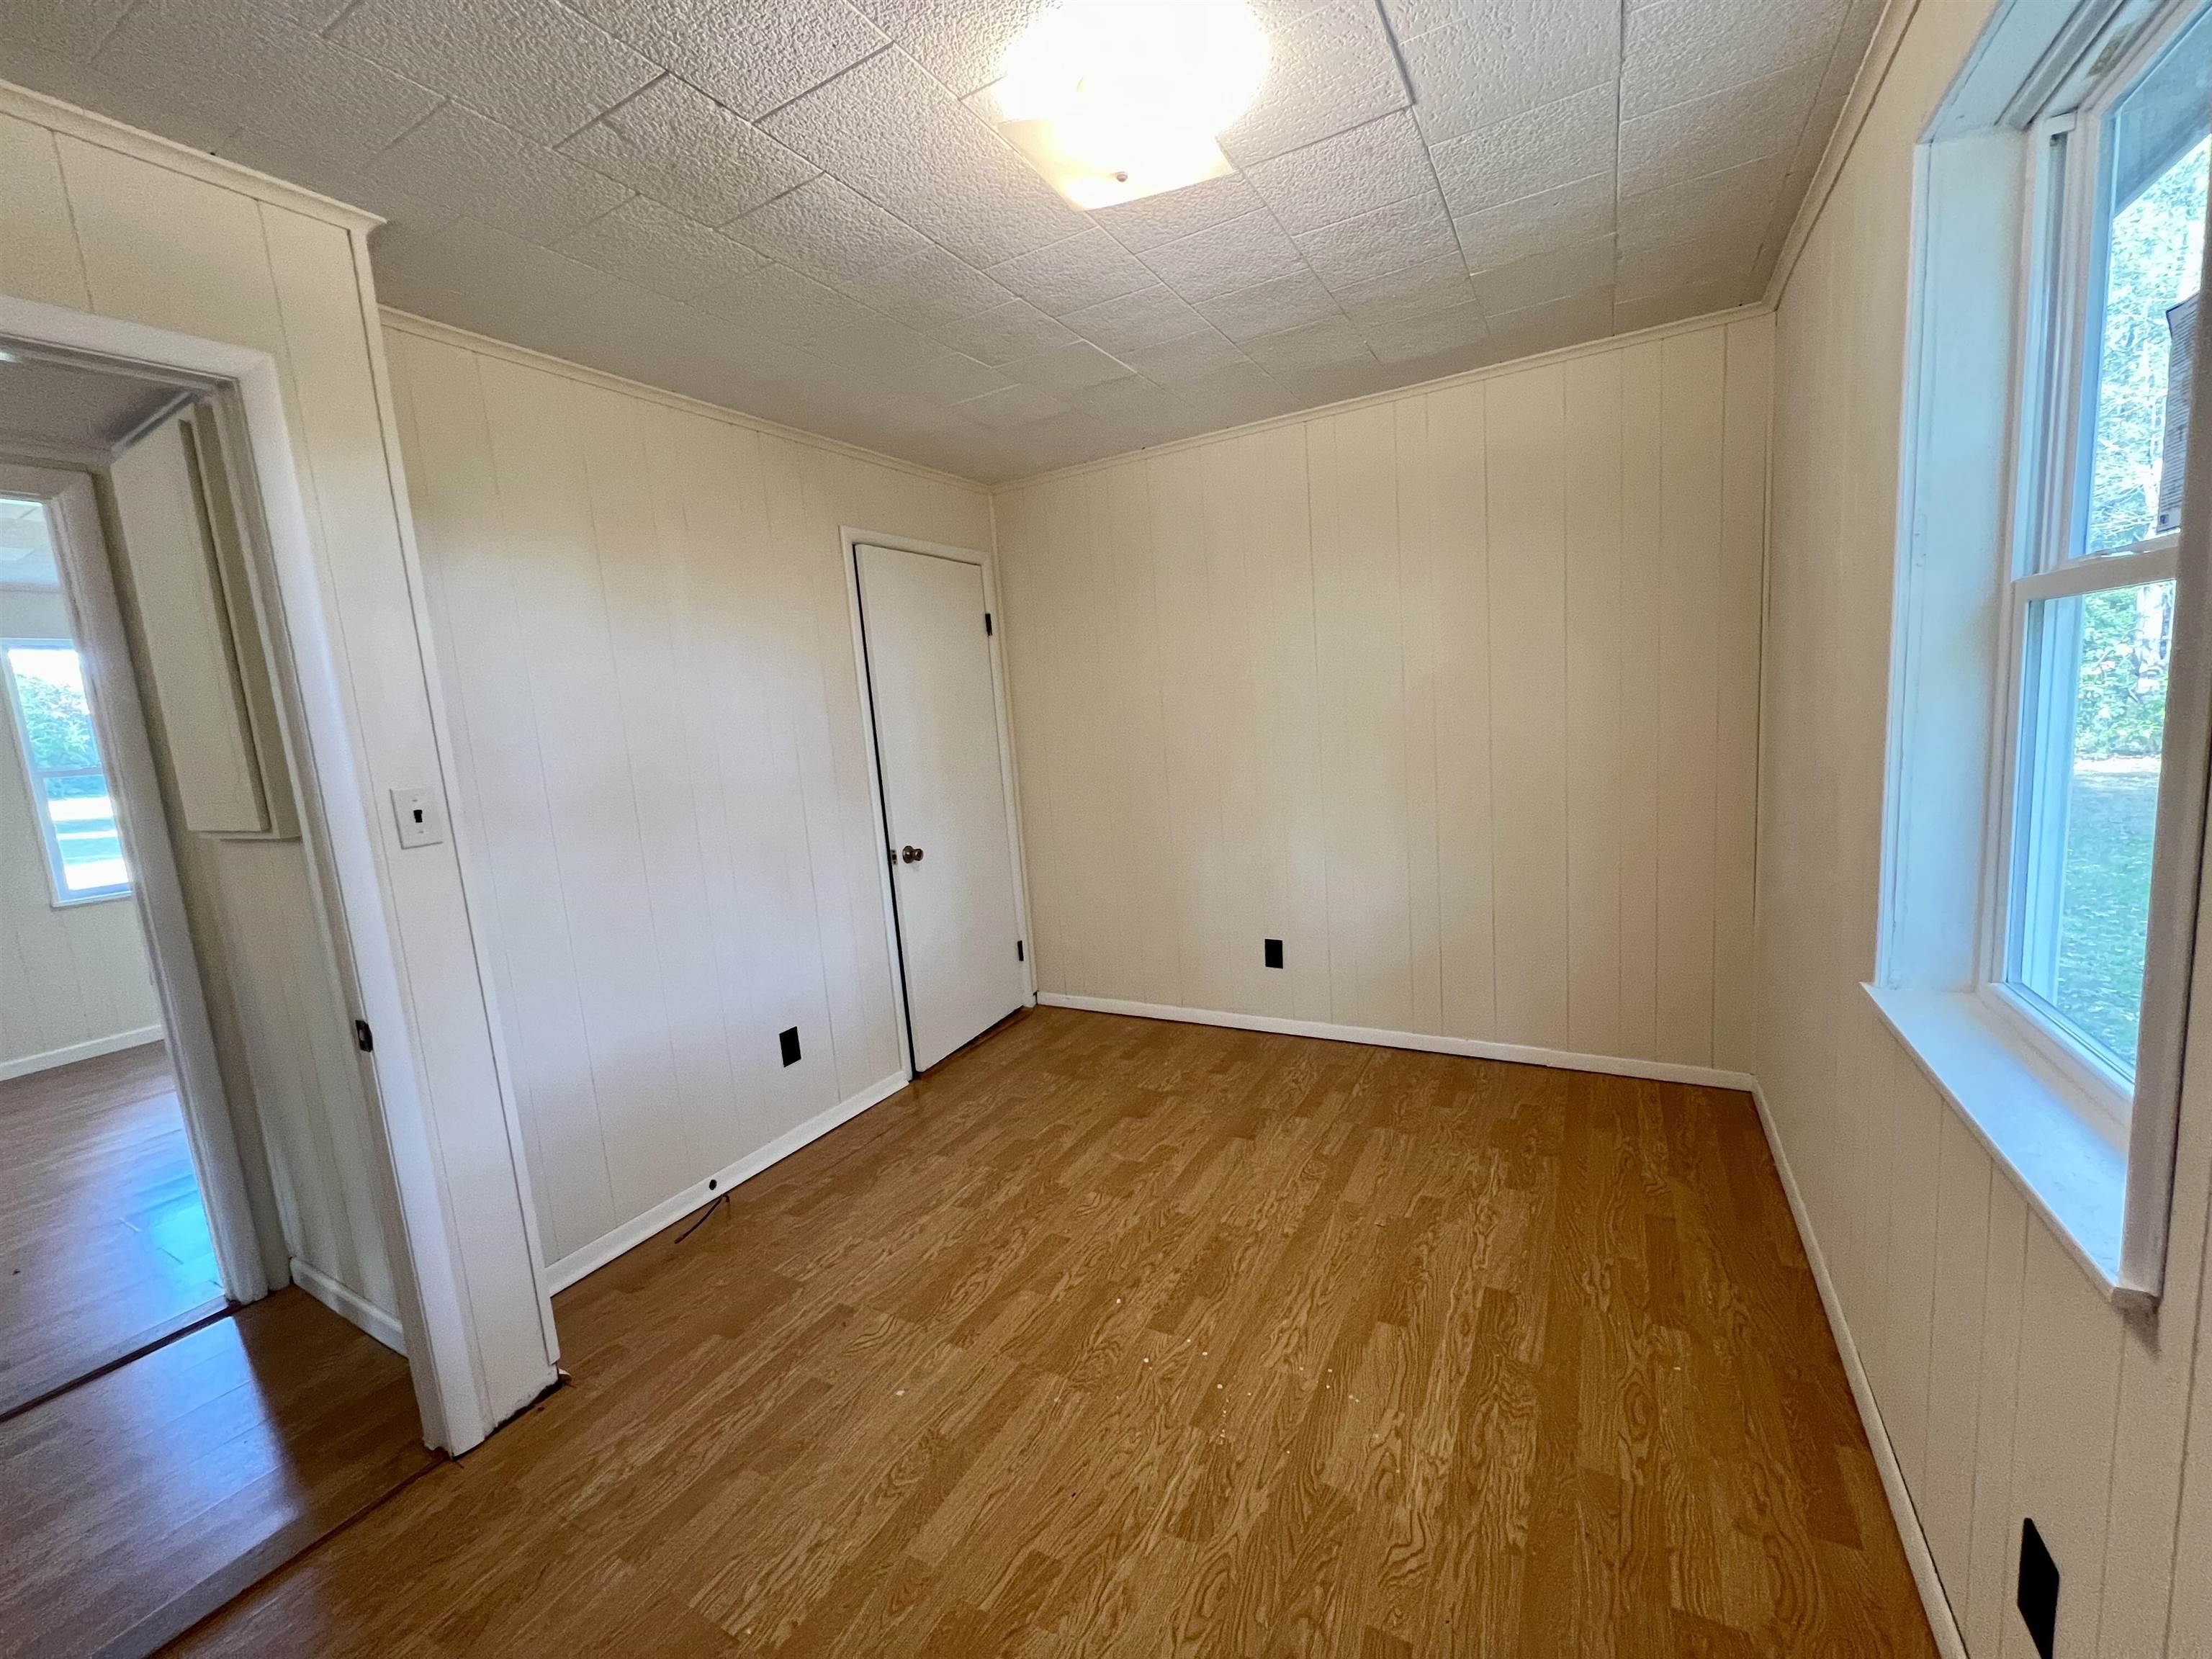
(244, 388)
(851, 542)
(118, 715)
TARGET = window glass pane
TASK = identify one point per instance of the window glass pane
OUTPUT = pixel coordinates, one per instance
(2153, 253)
(83, 819)
(56, 717)
(26, 546)
(2094, 806)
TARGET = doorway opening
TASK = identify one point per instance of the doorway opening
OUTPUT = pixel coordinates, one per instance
(933, 699)
(203, 1353)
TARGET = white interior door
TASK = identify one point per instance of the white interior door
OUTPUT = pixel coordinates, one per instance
(945, 795)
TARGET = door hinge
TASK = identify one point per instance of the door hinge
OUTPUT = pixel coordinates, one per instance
(1019, 957)
(364, 1038)
(987, 622)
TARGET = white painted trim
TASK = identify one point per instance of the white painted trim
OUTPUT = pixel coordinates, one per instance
(1936, 1604)
(1866, 87)
(1417, 388)
(70, 1054)
(351, 1306)
(595, 1256)
(425, 328)
(850, 541)
(1656, 1071)
(96, 128)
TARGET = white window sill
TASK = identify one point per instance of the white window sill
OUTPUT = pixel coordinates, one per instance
(2065, 1155)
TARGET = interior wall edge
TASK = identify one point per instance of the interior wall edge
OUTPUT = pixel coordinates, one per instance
(1866, 87)
(1911, 1534)
(108, 133)
(1609, 343)
(70, 1054)
(579, 1264)
(351, 1306)
(490, 345)
(1512, 1054)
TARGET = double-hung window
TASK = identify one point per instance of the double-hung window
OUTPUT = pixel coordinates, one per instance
(62, 764)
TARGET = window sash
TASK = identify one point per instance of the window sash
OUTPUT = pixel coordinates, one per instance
(35, 778)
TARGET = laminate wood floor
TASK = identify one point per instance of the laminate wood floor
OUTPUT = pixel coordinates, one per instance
(104, 1243)
(1119, 1337)
(151, 1495)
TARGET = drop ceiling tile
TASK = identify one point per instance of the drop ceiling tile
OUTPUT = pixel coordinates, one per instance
(259, 70)
(1130, 399)
(533, 65)
(1195, 357)
(1270, 307)
(1742, 197)
(73, 30)
(1406, 339)
(1551, 145)
(1330, 69)
(926, 288)
(1151, 221)
(753, 57)
(1085, 269)
(1355, 252)
(461, 160)
(659, 248)
(1415, 290)
(958, 41)
(77, 83)
(948, 377)
(1067, 368)
(1004, 332)
(1234, 253)
(893, 133)
(1678, 49)
(467, 256)
(784, 305)
(1016, 405)
(1501, 58)
(674, 143)
(1674, 305)
(1649, 268)
(1151, 316)
(1580, 268)
(1555, 323)
(1578, 212)
(869, 343)
(1718, 131)
(829, 231)
(1352, 172)
(1328, 344)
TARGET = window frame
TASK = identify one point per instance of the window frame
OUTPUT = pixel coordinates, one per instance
(60, 895)
(2066, 246)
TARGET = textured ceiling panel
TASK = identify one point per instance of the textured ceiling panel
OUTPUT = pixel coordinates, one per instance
(785, 206)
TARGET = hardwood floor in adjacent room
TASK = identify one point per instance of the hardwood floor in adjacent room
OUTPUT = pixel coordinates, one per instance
(104, 1243)
(1120, 1337)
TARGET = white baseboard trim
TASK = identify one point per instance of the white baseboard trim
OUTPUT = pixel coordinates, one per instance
(595, 1256)
(92, 1050)
(1922, 1559)
(1658, 1070)
(350, 1305)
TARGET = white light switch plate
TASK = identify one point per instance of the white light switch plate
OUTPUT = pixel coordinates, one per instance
(422, 820)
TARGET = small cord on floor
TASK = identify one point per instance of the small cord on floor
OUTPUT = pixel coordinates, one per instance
(705, 1215)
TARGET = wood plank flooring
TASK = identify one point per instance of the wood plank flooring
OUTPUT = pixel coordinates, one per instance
(1119, 1337)
(141, 1501)
(104, 1243)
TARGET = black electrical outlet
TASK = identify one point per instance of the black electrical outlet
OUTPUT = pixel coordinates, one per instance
(1274, 951)
(2037, 1593)
(790, 1042)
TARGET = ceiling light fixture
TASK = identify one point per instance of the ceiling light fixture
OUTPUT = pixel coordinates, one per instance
(1112, 99)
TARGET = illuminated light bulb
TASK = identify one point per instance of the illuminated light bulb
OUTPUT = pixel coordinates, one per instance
(1112, 99)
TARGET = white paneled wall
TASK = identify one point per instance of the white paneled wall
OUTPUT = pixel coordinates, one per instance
(641, 613)
(1455, 692)
(74, 981)
(2005, 1384)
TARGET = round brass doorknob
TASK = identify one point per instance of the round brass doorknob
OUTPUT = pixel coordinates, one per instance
(910, 855)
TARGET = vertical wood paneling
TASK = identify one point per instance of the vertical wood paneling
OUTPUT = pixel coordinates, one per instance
(1385, 683)
(1954, 1363)
(1745, 416)
(635, 607)
(1526, 467)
